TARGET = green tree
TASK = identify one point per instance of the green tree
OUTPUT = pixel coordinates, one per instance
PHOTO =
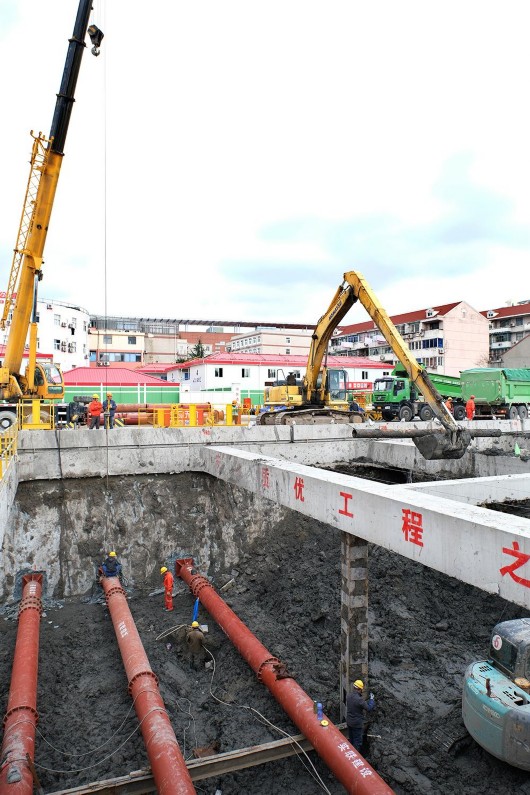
(197, 352)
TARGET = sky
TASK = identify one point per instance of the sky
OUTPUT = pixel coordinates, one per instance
(230, 161)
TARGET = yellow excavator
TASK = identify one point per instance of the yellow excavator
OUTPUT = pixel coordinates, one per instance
(321, 396)
(42, 381)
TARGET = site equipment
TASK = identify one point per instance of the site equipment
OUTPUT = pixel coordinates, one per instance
(321, 396)
(496, 695)
(40, 380)
(20, 722)
(354, 773)
(396, 396)
(498, 392)
(167, 763)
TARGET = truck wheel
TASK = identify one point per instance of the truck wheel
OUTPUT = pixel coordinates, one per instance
(7, 419)
(459, 413)
(405, 413)
(513, 414)
(426, 413)
(523, 412)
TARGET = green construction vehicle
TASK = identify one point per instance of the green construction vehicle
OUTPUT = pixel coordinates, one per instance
(498, 392)
(395, 396)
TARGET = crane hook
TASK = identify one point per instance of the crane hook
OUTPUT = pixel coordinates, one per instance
(96, 37)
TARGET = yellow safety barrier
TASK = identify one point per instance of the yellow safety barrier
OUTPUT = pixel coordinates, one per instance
(8, 448)
(35, 414)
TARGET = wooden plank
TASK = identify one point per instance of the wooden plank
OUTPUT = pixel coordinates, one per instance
(140, 782)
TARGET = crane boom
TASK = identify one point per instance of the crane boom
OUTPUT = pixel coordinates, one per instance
(45, 167)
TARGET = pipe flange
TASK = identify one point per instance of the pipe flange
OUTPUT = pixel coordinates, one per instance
(138, 675)
(20, 708)
(30, 602)
(269, 661)
(112, 591)
(197, 583)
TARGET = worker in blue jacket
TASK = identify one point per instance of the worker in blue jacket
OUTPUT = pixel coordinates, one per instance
(111, 567)
(356, 708)
(109, 410)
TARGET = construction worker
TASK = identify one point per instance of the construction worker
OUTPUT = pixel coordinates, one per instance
(449, 405)
(94, 411)
(470, 407)
(168, 588)
(109, 410)
(195, 643)
(356, 707)
(111, 567)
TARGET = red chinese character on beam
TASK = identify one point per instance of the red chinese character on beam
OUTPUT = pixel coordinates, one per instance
(299, 489)
(412, 526)
(520, 559)
(265, 478)
(344, 511)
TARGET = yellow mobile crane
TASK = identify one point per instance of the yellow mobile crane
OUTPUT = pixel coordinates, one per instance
(42, 381)
(321, 396)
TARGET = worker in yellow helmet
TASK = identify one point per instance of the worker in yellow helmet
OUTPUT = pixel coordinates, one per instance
(109, 410)
(168, 588)
(95, 409)
(195, 644)
(111, 566)
(356, 709)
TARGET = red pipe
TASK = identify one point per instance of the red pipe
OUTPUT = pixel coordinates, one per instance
(167, 763)
(21, 717)
(356, 775)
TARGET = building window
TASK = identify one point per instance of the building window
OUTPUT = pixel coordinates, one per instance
(287, 350)
(271, 373)
(245, 372)
(186, 375)
(57, 320)
(131, 340)
(364, 375)
(57, 345)
(107, 339)
(287, 340)
(218, 372)
(92, 356)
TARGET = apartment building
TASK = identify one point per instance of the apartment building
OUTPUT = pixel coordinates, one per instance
(272, 341)
(508, 326)
(449, 338)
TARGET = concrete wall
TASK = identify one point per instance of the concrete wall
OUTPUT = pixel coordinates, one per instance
(8, 490)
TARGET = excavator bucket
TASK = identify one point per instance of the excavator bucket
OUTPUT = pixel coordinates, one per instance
(438, 445)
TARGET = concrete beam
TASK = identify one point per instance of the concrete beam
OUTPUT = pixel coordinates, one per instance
(484, 548)
(507, 488)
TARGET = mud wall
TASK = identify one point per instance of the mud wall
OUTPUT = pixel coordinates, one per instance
(66, 527)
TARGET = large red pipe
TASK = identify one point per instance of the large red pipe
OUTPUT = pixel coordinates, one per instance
(346, 763)
(167, 763)
(21, 717)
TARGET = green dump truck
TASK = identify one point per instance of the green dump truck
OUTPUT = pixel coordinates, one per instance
(498, 392)
(395, 397)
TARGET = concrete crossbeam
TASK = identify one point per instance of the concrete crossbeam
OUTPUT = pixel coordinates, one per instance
(484, 548)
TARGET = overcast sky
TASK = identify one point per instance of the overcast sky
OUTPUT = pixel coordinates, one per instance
(230, 160)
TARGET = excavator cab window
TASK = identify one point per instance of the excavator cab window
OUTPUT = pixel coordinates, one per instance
(336, 384)
(504, 654)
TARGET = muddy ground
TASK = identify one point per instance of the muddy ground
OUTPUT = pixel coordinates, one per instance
(424, 629)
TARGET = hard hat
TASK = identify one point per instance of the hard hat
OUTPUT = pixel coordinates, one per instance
(472, 397)
(359, 684)
(95, 395)
(163, 570)
(109, 394)
(112, 554)
(194, 623)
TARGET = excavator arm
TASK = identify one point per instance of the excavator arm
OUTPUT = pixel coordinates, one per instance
(355, 288)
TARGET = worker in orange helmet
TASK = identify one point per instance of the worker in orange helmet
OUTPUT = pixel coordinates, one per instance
(470, 407)
(168, 588)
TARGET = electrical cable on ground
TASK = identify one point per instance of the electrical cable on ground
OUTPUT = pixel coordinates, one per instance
(266, 722)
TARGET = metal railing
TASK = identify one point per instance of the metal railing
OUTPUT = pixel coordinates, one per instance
(8, 448)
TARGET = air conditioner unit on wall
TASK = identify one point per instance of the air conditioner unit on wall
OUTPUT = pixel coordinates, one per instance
(63, 324)
(441, 350)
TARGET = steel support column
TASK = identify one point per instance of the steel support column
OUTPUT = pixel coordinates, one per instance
(167, 763)
(354, 773)
(353, 614)
(18, 746)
